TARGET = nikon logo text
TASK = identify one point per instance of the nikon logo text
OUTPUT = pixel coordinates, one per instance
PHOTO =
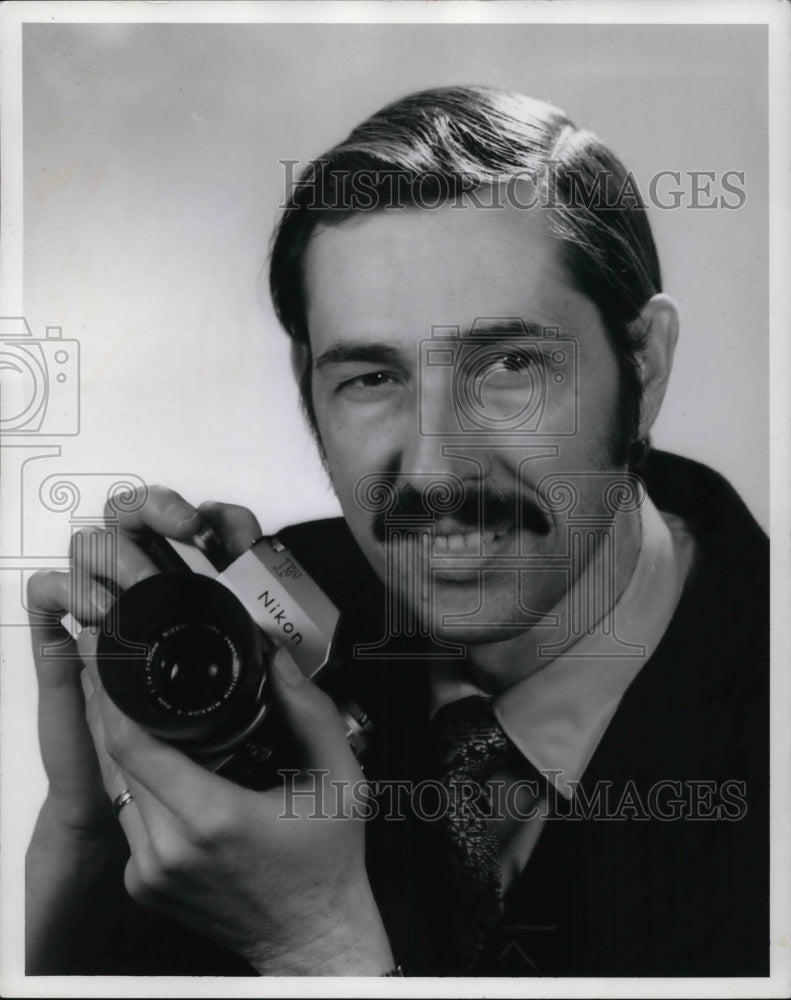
(279, 617)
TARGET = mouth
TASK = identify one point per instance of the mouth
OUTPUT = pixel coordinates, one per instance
(461, 543)
(459, 553)
(455, 539)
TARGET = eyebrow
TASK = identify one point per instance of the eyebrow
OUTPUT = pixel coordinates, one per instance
(358, 350)
(349, 351)
(507, 327)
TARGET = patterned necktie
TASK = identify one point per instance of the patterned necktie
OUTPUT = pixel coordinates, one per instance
(471, 747)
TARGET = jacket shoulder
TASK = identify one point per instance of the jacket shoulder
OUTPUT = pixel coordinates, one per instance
(328, 551)
(718, 517)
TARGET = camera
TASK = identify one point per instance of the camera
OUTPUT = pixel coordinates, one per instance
(43, 395)
(507, 377)
(187, 654)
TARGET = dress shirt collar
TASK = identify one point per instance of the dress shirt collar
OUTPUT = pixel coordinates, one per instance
(557, 714)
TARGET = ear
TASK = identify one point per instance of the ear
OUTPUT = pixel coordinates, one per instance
(657, 325)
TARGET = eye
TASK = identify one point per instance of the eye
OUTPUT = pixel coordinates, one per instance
(369, 385)
(505, 368)
(512, 361)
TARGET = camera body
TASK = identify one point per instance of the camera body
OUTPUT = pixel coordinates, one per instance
(186, 653)
(45, 399)
(506, 379)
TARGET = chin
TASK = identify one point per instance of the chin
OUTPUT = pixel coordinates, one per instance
(464, 610)
(479, 636)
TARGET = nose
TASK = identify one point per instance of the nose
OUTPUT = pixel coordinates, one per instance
(433, 446)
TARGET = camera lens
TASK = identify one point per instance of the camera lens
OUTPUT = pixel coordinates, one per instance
(180, 655)
(193, 668)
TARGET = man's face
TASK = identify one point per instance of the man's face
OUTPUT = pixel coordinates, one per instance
(390, 410)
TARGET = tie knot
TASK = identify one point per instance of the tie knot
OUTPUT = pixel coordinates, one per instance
(470, 740)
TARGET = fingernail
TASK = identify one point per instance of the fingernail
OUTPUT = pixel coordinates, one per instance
(190, 516)
(102, 601)
(286, 669)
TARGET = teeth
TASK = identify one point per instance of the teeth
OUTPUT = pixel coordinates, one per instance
(473, 541)
(469, 543)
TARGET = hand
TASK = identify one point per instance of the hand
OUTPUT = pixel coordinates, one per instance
(77, 850)
(290, 895)
(77, 803)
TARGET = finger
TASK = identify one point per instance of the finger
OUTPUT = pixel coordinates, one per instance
(67, 750)
(50, 595)
(157, 509)
(109, 554)
(155, 816)
(237, 526)
(167, 778)
(87, 643)
(114, 780)
(314, 719)
(54, 593)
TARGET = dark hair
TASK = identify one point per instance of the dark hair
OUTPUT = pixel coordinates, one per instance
(445, 142)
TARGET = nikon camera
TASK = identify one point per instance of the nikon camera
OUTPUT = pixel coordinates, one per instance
(186, 653)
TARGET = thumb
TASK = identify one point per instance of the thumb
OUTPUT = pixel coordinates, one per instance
(313, 719)
(237, 526)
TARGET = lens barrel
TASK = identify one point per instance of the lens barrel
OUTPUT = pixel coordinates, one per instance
(180, 655)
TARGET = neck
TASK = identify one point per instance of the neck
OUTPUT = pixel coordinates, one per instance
(496, 666)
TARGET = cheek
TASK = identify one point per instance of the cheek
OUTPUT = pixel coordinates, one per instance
(344, 462)
(351, 451)
(592, 409)
(598, 403)
(358, 439)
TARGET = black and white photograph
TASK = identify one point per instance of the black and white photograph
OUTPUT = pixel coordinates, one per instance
(395, 499)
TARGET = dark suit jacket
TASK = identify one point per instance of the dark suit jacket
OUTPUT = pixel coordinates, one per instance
(635, 895)
(621, 896)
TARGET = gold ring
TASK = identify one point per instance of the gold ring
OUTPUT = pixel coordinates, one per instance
(122, 799)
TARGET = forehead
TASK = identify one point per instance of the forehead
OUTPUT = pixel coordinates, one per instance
(392, 275)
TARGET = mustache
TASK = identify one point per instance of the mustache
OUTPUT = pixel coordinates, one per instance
(479, 510)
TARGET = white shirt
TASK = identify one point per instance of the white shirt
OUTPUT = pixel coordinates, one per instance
(557, 715)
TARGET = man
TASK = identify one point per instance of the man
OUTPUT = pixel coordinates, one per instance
(558, 631)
